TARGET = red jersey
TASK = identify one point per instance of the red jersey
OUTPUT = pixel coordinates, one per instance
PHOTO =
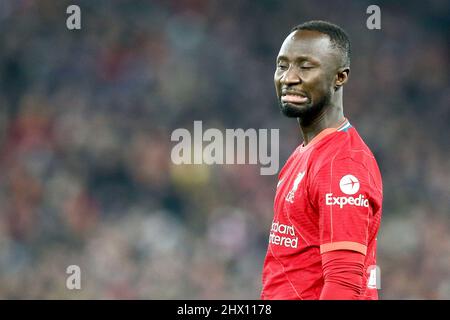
(328, 197)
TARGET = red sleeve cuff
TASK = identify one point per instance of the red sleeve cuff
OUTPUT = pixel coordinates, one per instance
(343, 272)
(343, 245)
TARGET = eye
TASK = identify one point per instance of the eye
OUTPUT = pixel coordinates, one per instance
(282, 65)
(306, 67)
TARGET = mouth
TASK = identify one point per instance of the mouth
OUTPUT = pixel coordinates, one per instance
(294, 97)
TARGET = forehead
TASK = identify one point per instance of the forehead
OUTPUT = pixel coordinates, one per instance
(307, 43)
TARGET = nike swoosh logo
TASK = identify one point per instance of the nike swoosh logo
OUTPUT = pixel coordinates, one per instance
(279, 182)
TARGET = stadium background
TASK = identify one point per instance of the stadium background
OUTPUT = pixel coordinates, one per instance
(85, 124)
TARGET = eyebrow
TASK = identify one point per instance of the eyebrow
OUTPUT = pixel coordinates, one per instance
(299, 58)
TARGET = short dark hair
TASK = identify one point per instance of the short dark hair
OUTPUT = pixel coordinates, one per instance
(338, 36)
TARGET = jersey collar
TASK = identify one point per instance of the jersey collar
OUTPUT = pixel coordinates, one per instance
(344, 126)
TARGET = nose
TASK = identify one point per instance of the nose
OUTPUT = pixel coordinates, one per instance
(290, 77)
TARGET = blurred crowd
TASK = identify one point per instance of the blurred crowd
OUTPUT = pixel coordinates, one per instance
(85, 122)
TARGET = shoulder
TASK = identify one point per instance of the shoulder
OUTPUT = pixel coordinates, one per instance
(347, 149)
(292, 158)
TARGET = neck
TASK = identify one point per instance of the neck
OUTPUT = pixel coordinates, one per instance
(331, 117)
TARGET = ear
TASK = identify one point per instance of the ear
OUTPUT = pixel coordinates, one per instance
(341, 77)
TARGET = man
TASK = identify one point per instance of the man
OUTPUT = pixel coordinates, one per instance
(327, 207)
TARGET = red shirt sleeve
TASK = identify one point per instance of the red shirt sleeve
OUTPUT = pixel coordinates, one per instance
(345, 194)
(343, 275)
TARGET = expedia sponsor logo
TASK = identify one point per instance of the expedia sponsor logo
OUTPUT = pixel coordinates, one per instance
(349, 184)
(360, 201)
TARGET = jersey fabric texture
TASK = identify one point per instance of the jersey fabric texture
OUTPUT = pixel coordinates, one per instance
(328, 197)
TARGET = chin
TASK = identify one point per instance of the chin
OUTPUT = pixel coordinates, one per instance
(293, 111)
